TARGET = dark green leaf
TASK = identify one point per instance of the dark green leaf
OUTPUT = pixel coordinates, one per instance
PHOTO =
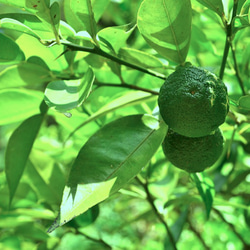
(244, 102)
(214, 5)
(24, 74)
(177, 228)
(66, 95)
(166, 26)
(141, 59)
(206, 189)
(10, 52)
(18, 150)
(108, 161)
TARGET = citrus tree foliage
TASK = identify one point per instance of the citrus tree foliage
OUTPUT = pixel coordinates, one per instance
(81, 159)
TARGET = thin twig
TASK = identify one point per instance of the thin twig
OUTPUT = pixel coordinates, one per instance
(159, 216)
(128, 86)
(193, 229)
(237, 72)
(101, 241)
(98, 51)
(246, 246)
(229, 27)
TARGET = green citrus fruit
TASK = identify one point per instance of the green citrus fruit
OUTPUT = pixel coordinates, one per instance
(193, 154)
(193, 101)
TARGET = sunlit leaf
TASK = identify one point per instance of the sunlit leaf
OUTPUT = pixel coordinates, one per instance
(28, 24)
(46, 13)
(11, 24)
(79, 15)
(166, 26)
(10, 52)
(99, 7)
(115, 37)
(18, 104)
(205, 186)
(18, 150)
(66, 95)
(108, 161)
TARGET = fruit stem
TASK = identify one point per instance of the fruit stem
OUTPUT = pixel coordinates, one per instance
(100, 52)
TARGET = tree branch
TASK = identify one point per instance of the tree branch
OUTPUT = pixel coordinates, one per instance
(100, 52)
(159, 216)
(228, 40)
(128, 86)
(246, 246)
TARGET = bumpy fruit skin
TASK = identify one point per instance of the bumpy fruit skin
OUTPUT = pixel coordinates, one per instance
(193, 154)
(193, 101)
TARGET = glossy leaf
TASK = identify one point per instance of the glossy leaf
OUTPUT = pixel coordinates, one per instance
(79, 15)
(141, 59)
(244, 102)
(108, 161)
(131, 98)
(10, 52)
(115, 37)
(28, 24)
(66, 95)
(214, 5)
(46, 13)
(206, 189)
(11, 24)
(18, 150)
(166, 27)
(18, 104)
(24, 74)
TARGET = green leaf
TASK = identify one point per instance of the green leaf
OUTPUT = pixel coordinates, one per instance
(240, 22)
(28, 24)
(108, 161)
(79, 15)
(50, 15)
(19, 3)
(10, 52)
(214, 5)
(18, 104)
(115, 37)
(166, 27)
(24, 74)
(66, 95)
(99, 7)
(18, 150)
(131, 98)
(205, 186)
(49, 181)
(244, 102)
(141, 59)
(11, 24)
